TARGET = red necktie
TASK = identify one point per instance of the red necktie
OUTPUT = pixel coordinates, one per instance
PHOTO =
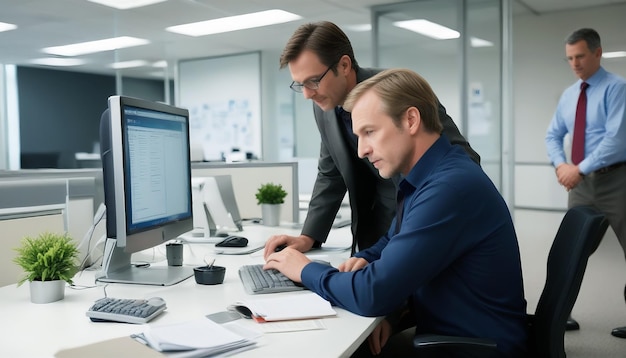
(578, 143)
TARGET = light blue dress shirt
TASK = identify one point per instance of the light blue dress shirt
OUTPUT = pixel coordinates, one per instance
(605, 135)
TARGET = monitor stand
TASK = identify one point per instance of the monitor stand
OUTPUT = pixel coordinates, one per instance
(117, 268)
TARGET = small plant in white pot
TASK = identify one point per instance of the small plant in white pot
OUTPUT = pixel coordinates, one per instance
(49, 261)
(271, 197)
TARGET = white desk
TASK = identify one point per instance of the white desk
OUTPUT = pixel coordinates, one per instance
(40, 330)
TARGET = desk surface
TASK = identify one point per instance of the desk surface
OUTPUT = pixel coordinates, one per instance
(40, 330)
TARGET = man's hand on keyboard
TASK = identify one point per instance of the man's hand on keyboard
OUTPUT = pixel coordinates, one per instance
(288, 261)
(301, 243)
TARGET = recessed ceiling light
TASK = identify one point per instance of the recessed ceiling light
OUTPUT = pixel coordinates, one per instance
(476, 42)
(128, 64)
(428, 28)
(614, 54)
(160, 64)
(234, 23)
(95, 46)
(126, 4)
(56, 61)
(7, 27)
(359, 28)
(158, 74)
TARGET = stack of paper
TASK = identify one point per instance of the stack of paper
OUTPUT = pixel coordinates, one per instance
(301, 305)
(198, 338)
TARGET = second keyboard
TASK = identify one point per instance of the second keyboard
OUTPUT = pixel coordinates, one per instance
(256, 280)
(126, 310)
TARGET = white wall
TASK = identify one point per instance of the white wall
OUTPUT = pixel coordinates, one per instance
(540, 75)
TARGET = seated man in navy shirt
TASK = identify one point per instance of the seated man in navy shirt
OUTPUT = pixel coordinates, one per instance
(451, 255)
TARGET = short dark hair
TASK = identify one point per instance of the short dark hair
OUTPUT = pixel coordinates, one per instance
(324, 38)
(590, 36)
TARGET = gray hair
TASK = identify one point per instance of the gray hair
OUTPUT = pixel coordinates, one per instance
(590, 36)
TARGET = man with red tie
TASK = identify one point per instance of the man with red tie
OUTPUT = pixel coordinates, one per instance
(593, 112)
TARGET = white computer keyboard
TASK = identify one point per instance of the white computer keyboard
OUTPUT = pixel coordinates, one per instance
(126, 310)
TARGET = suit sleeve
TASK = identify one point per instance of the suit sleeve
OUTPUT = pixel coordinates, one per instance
(452, 132)
(328, 191)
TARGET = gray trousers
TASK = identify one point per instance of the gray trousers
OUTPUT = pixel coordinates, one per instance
(607, 193)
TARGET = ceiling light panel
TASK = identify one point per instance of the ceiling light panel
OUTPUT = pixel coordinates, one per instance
(129, 64)
(477, 42)
(234, 23)
(84, 48)
(126, 4)
(614, 54)
(428, 28)
(359, 27)
(59, 62)
(7, 27)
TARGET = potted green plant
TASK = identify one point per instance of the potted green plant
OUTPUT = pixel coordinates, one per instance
(49, 261)
(271, 197)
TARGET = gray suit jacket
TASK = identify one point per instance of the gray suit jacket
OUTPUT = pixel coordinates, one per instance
(372, 198)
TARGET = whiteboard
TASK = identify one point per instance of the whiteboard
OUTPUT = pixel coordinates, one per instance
(223, 96)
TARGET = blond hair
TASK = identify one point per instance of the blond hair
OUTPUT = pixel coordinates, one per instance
(400, 89)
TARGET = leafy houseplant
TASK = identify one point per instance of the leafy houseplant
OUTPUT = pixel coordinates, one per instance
(271, 193)
(46, 258)
(270, 196)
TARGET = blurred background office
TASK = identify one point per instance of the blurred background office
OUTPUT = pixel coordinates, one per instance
(498, 67)
(499, 70)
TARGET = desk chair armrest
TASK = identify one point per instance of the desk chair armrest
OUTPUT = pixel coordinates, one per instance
(435, 341)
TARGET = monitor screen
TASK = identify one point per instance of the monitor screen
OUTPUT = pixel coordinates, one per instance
(147, 186)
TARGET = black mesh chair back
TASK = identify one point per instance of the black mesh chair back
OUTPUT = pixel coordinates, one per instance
(579, 234)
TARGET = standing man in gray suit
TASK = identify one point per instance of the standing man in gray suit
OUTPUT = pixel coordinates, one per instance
(323, 68)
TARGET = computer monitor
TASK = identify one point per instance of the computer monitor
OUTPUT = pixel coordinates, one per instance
(225, 185)
(212, 215)
(147, 186)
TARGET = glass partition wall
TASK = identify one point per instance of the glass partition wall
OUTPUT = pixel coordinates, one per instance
(464, 68)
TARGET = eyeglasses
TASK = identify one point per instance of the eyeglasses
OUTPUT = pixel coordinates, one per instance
(311, 84)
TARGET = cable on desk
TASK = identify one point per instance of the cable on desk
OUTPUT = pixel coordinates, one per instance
(100, 214)
(104, 288)
(80, 287)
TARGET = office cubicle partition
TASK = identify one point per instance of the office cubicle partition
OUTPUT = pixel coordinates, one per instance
(247, 177)
(65, 200)
(30, 206)
(28, 174)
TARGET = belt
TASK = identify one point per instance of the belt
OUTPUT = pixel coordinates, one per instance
(608, 168)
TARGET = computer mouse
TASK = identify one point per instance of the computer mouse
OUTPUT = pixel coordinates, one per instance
(155, 301)
(222, 234)
(233, 241)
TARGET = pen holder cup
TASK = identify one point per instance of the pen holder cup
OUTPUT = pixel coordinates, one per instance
(174, 254)
(206, 275)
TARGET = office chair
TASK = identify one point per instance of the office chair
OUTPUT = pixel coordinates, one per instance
(579, 235)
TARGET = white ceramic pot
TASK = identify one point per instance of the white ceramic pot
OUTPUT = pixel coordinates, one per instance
(271, 214)
(47, 291)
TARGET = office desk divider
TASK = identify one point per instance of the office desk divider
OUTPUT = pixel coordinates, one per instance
(246, 179)
(32, 205)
